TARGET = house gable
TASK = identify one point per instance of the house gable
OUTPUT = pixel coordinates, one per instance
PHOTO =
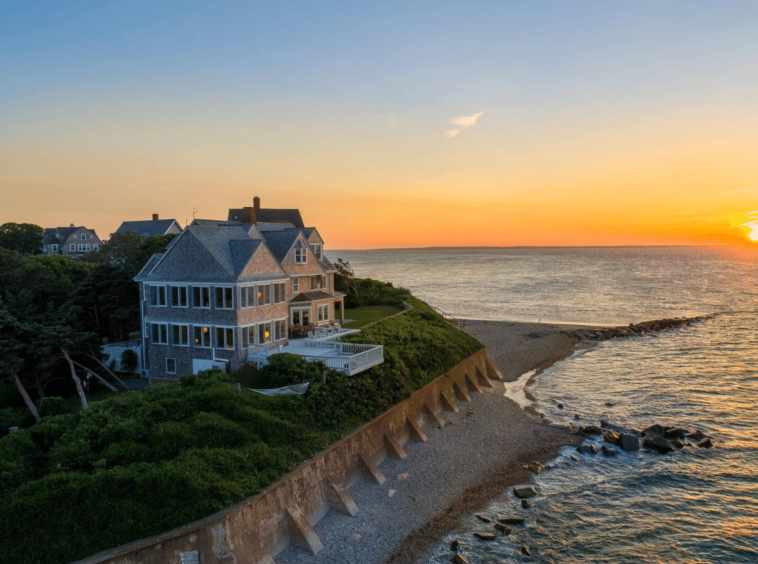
(188, 260)
(261, 265)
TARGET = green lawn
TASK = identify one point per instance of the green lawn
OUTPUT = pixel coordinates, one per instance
(364, 315)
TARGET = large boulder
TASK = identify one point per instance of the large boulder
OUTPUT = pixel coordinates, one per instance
(653, 430)
(609, 450)
(696, 436)
(611, 437)
(707, 443)
(524, 492)
(591, 430)
(656, 442)
(628, 442)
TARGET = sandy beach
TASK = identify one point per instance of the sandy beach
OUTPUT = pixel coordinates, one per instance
(479, 453)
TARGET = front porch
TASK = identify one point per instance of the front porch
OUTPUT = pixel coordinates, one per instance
(350, 358)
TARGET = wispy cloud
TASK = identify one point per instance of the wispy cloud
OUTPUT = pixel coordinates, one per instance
(462, 123)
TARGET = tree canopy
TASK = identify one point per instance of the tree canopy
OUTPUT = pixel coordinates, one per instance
(21, 238)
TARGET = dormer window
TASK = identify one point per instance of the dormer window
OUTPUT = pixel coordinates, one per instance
(317, 251)
(300, 256)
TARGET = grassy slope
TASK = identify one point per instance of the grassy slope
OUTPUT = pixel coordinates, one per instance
(141, 463)
(364, 315)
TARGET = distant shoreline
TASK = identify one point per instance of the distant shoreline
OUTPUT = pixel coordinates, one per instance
(486, 248)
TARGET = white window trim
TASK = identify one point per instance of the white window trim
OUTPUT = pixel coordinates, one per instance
(318, 314)
(190, 336)
(320, 254)
(167, 370)
(300, 255)
(153, 342)
(54, 248)
(215, 297)
(171, 293)
(244, 289)
(216, 345)
(210, 334)
(299, 308)
(296, 284)
(165, 295)
(72, 248)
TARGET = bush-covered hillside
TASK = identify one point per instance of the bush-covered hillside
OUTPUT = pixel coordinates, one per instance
(141, 463)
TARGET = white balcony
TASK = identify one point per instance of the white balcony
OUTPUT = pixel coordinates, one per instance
(350, 358)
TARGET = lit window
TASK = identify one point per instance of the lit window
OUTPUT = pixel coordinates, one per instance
(300, 256)
(224, 298)
(170, 366)
(201, 296)
(159, 333)
(264, 333)
(180, 335)
(203, 337)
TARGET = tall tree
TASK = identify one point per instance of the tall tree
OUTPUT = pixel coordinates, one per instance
(21, 238)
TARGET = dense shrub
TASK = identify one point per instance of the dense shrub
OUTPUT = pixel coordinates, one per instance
(129, 361)
(51, 406)
(368, 292)
(140, 463)
(10, 417)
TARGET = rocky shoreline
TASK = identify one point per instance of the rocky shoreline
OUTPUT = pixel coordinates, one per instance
(648, 328)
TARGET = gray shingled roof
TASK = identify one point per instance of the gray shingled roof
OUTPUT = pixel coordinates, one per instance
(147, 228)
(242, 251)
(280, 242)
(49, 236)
(314, 296)
(271, 215)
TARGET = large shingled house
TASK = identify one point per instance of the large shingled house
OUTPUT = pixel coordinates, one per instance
(70, 241)
(227, 292)
(151, 227)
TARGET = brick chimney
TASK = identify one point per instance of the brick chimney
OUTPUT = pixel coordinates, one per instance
(257, 203)
(155, 217)
(249, 215)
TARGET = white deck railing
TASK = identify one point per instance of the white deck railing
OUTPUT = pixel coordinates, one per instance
(350, 358)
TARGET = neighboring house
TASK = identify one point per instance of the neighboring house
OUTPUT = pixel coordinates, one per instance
(225, 292)
(70, 241)
(257, 215)
(151, 227)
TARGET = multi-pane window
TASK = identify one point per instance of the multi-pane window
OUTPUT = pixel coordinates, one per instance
(83, 247)
(180, 335)
(202, 337)
(224, 298)
(247, 296)
(280, 294)
(264, 294)
(54, 248)
(323, 312)
(224, 337)
(280, 329)
(318, 282)
(72, 247)
(170, 366)
(295, 285)
(179, 296)
(317, 251)
(264, 333)
(301, 256)
(159, 333)
(95, 246)
(201, 296)
(157, 295)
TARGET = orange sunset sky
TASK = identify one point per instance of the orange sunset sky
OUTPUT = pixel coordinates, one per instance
(388, 125)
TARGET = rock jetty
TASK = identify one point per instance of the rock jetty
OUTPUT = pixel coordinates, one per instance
(636, 329)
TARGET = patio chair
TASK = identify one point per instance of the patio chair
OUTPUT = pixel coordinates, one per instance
(311, 335)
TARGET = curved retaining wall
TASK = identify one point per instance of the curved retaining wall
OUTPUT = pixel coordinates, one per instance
(262, 526)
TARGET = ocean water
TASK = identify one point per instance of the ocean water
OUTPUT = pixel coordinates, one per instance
(691, 506)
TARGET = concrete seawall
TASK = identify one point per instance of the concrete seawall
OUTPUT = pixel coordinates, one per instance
(262, 526)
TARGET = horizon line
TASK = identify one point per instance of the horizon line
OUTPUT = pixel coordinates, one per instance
(541, 247)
